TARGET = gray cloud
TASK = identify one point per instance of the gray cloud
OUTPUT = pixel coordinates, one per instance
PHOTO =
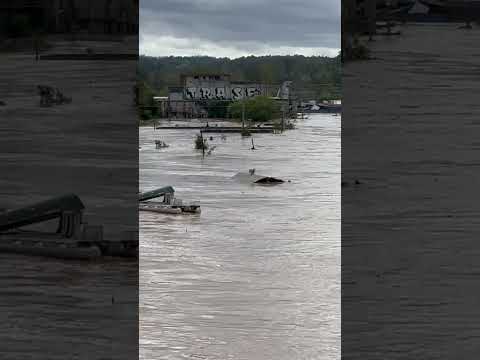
(236, 28)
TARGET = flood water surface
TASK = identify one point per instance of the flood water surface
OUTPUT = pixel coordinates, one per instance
(257, 274)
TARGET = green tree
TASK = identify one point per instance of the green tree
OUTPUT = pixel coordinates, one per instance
(145, 94)
(20, 25)
(215, 108)
(258, 109)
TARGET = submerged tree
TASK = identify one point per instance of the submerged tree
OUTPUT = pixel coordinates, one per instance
(201, 143)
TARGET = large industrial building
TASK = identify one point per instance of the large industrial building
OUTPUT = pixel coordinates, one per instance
(188, 100)
(66, 16)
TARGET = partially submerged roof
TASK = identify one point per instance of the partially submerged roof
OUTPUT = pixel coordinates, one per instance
(256, 179)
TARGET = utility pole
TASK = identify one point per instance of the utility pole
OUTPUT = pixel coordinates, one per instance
(37, 45)
(168, 110)
(243, 114)
(203, 144)
(371, 12)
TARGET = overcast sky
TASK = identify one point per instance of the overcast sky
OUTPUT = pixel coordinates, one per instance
(229, 28)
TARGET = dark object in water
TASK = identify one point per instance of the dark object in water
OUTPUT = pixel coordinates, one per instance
(50, 96)
(253, 178)
(201, 143)
(269, 180)
(3, 103)
(159, 144)
(357, 182)
(344, 183)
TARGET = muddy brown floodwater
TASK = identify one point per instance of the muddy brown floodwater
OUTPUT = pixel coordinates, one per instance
(257, 274)
(410, 232)
(63, 309)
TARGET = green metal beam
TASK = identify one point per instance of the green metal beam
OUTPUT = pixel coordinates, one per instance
(156, 193)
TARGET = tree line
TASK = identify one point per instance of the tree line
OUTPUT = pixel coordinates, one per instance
(318, 77)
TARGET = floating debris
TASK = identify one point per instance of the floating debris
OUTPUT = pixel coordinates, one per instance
(252, 178)
(169, 205)
(160, 144)
(211, 149)
(50, 96)
(269, 180)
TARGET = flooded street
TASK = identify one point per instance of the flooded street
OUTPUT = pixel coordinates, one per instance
(257, 274)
